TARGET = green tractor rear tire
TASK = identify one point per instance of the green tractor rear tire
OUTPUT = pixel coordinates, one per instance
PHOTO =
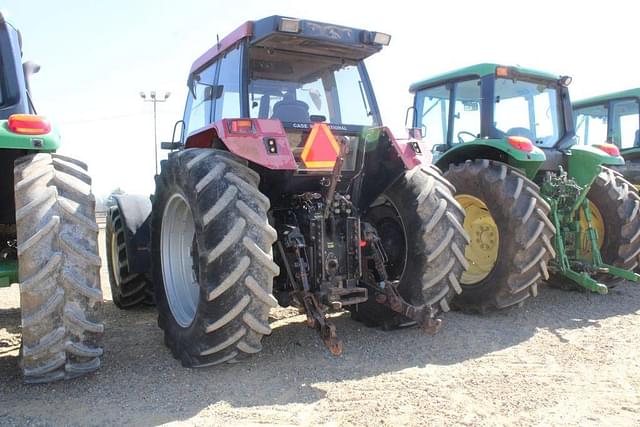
(58, 267)
(511, 235)
(630, 171)
(617, 221)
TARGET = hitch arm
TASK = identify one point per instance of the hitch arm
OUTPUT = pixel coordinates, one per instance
(424, 315)
(315, 316)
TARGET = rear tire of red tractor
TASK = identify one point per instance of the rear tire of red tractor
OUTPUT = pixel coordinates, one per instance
(212, 258)
(58, 268)
(128, 290)
(511, 235)
(420, 227)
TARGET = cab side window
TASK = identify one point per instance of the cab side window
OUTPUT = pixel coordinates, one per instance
(227, 104)
(199, 108)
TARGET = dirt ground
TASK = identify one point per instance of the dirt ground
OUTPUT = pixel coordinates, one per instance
(563, 358)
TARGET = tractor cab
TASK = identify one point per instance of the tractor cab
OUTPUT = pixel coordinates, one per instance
(612, 118)
(278, 79)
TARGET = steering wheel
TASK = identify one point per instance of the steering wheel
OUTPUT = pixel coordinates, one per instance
(518, 131)
(464, 132)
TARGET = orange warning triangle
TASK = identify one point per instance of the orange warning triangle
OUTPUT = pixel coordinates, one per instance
(321, 148)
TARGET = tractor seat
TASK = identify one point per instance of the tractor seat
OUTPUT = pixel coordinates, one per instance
(291, 110)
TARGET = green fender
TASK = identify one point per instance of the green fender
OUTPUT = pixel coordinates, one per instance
(585, 161)
(45, 143)
(493, 149)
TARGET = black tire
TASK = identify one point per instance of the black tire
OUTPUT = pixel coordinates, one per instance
(618, 203)
(58, 268)
(128, 290)
(525, 234)
(630, 171)
(420, 226)
(232, 245)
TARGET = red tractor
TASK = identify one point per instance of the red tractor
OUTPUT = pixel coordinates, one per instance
(284, 188)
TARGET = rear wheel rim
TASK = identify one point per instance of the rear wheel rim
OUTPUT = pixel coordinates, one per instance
(177, 261)
(393, 237)
(482, 251)
(598, 225)
(115, 259)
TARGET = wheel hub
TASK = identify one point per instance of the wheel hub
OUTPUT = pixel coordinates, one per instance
(178, 260)
(482, 251)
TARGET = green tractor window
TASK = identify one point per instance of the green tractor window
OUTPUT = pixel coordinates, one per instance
(466, 117)
(625, 123)
(433, 112)
(527, 109)
(591, 125)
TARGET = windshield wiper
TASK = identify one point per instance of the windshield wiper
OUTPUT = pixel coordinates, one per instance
(364, 98)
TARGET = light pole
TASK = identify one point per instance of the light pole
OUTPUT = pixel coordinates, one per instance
(155, 100)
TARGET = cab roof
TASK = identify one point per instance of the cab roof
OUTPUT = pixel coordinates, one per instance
(478, 70)
(601, 99)
(312, 37)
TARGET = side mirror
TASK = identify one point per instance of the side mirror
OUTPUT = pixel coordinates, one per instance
(213, 92)
(439, 148)
(409, 124)
(174, 144)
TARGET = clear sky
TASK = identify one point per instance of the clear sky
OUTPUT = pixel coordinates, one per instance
(96, 57)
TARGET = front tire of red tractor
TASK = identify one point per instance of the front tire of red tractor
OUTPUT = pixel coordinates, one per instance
(511, 235)
(212, 260)
(420, 227)
(58, 268)
(618, 204)
(128, 289)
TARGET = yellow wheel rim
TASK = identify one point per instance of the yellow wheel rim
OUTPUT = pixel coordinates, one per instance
(482, 252)
(597, 223)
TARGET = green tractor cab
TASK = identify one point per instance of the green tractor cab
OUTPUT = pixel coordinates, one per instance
(48, 234)
(613, 118)
(515, 124)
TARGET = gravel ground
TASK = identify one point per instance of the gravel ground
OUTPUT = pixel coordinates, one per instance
(563, 358)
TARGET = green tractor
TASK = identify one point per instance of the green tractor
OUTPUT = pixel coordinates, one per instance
(538, 205)
(613, 118)
(48, 233)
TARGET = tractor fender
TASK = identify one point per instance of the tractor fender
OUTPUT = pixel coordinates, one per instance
(585, 162)
(493, 149)
(408, 150)
(135, 211)
(252, 146)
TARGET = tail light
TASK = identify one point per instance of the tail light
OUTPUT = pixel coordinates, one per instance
(29, 124)
(242, 126)
(610, 149)
(521, 143)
